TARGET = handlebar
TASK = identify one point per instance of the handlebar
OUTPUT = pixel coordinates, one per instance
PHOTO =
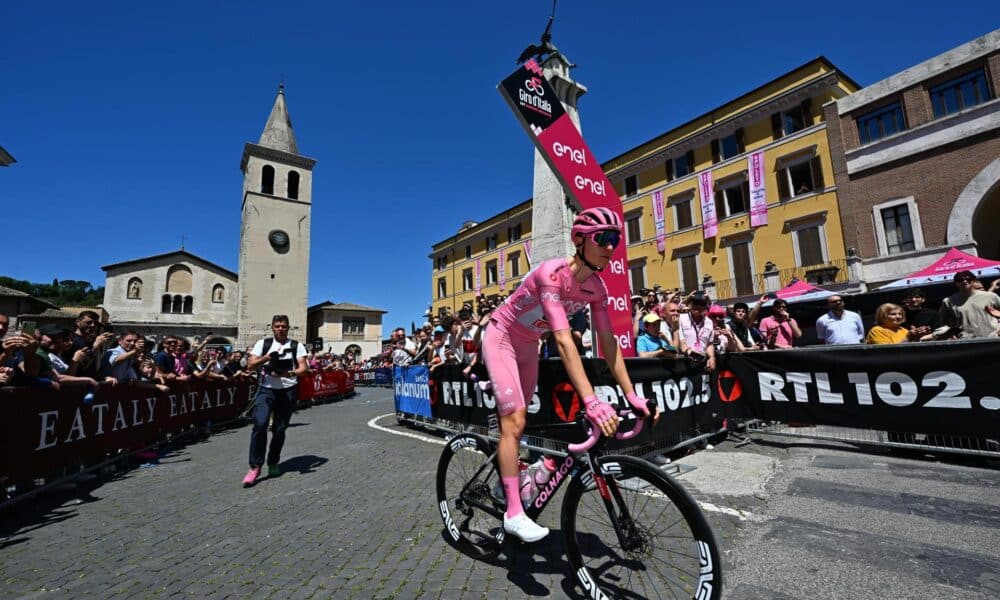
(595, 433)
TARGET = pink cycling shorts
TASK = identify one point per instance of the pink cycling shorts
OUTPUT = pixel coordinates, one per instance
(513, 366)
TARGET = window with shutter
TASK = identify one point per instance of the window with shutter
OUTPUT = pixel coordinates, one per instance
(742, 270)
(817, 174)
(631, 185)
(776, 125)
(689, 273)
(669, 169)
(632, 230)
(682, 214)
(637, 275)
(806, 107)
(810, 248)
(715, 151)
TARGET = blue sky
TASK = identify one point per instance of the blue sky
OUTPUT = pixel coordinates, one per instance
(128, 119)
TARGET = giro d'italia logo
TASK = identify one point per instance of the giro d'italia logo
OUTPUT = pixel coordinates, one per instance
(565, 402)
(729, 386)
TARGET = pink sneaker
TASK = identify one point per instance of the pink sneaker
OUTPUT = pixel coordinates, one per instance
(251, 477)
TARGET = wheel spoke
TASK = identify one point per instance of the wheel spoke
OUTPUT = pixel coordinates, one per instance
(657, 554)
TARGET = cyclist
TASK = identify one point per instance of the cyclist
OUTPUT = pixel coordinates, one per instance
(555, 289)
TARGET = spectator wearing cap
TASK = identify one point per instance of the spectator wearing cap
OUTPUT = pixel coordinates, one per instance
(695, 332)
(839, 325)
(650, 344)
(725, 340)
(437, 348)
(780, 329)
(55, 339)
(747, 336)
(917, 315)
(969, 310)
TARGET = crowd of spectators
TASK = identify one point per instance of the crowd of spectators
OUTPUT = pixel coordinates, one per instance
(90, 354)
(673, 324)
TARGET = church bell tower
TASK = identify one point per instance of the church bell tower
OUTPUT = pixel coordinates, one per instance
(274, 236)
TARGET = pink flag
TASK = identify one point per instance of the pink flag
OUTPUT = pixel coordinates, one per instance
(503, 267)
(661, 237)
(758, 196)
(527, 252)
(479, 276)
(710, 223)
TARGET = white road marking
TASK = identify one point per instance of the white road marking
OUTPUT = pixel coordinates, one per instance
(742, 515)
(415, 436)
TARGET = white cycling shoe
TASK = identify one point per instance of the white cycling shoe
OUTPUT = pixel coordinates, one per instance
(524, 528)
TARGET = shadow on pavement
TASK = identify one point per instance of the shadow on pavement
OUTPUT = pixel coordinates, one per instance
(524, 562)
(303, 464)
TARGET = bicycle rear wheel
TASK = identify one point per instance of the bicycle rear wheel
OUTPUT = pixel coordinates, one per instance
(666, 548)
(467, 495)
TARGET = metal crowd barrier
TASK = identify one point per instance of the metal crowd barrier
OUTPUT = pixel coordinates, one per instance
(922, 442)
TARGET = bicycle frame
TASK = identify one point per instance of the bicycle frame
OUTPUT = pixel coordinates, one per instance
(583, 466)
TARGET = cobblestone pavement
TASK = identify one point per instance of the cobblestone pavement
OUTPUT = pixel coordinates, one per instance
(353, 516)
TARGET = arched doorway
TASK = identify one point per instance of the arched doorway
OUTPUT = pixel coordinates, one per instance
(976, 212)
(984, 225)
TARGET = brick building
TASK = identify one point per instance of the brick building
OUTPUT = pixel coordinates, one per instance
(916, 159)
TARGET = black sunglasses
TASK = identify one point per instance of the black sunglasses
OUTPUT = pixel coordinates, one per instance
(606, 237)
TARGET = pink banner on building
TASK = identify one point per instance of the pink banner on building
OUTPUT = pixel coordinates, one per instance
(661, 243)
(503, 268)
(709, 220)
(479, 276)
(758, 195)
(527, 252)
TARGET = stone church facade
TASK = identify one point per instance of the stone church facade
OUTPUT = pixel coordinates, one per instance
(177, 293)
(181, 294)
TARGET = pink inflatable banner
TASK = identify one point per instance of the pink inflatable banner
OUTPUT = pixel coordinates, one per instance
(758, 195)
(709, 220)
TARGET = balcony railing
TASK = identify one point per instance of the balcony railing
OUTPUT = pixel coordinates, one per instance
(833, 271)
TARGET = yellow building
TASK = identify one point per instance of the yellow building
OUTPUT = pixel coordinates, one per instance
(496, 245)
(803, 237)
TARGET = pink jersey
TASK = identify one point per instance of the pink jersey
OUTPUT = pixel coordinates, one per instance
(546, 298)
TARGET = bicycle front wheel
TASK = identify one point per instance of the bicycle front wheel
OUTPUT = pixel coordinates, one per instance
(470, 499)
(642, 537)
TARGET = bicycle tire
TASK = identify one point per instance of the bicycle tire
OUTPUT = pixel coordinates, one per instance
(471, 529)
(670, 552)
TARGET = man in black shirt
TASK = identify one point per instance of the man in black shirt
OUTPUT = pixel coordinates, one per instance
(916, 314)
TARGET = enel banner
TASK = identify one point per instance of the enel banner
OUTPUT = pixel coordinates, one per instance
(557, 139)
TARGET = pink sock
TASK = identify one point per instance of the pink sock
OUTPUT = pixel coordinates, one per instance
(512, 490)
(550, 463)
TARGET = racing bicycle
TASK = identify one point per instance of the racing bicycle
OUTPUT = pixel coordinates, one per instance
(631, 531)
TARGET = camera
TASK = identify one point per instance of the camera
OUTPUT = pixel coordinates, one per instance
(280, 361)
